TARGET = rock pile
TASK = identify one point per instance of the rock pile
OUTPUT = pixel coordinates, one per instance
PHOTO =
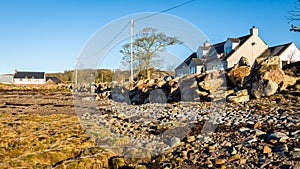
(238, 84)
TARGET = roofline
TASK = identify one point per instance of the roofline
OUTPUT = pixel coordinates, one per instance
(287, 45)
(282, 44)
(238, 47)
(29, 72)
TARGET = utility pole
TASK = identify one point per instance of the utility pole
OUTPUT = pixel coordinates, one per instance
(131, 51)
(76, 67)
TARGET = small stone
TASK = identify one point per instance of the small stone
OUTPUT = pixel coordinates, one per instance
(232, 150)
(213, 147)
(208, 163)
(250, 140)
(243, 161)
(223, 167)
(267, 150)
(237, 99)
(280, 136)
(184, 155)
(141, 167)
(234, 157)
(190, 139)
(286, 166)
(297, 166)
(257, 125)
(273, 141)
(220, 161)
(295, 154)
(244, 130)
(281, 149)
(117, 162)
(259, 132)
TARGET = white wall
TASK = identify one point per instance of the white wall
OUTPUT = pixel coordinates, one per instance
(201, 52)
(199, 68)
(29, 81)
(291, 54)
(251, 49)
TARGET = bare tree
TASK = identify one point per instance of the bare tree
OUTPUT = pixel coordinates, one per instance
(294, 14)
(291, 56)
(146, 45)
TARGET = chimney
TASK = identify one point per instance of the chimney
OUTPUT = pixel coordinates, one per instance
(254, 31)
(206, 43)
(16, 71)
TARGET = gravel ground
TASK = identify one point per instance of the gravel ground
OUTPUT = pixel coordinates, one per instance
(262, 133)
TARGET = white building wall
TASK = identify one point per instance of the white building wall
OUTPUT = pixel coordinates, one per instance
(29, 81)
(251, 49)
(291, 54)
(201, 52)
(199, 69)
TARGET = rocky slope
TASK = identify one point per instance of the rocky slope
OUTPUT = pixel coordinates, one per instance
(238, 84)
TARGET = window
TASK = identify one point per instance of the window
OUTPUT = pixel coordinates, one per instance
(228, 50)
(192, 69)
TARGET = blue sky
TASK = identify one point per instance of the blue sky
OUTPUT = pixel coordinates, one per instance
(48, 35)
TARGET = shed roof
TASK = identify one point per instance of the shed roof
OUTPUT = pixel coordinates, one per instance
(32, 75)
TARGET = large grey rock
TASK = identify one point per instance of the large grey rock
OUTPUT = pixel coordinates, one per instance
(264, 88)
(212, 85)
(175, 141)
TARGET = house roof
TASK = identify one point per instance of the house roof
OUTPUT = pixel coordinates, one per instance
(275, 50)
(219, 47)
(205, 47)
(234, 40)
(55, 79)
(198, 61)
(187, 61)
(33, 75)
(242, 39)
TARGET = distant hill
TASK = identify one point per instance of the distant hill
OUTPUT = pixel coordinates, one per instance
(68, 75)
(102, 75)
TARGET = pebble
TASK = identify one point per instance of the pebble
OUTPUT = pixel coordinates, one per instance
(190, 139)
(267, 150)
(220, 161)
(234, 157)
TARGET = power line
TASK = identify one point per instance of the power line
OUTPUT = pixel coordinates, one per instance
(115, 37)
(109, 43)
(163, 11)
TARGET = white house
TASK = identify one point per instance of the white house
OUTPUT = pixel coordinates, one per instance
(250, 46)
(29, 78)
(226, 54)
